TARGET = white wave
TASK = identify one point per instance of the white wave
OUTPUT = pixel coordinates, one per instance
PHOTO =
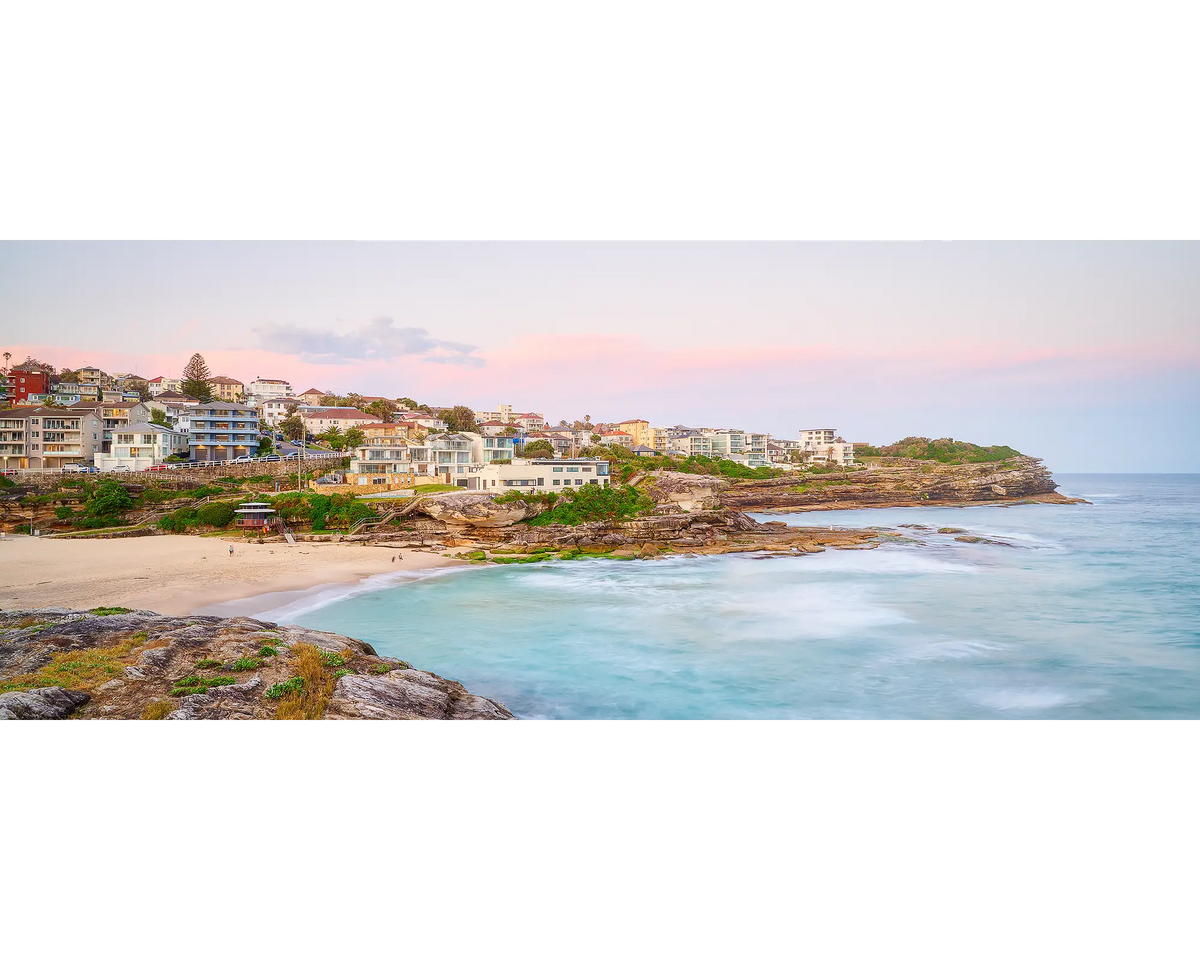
(267, 607)
(951, 650)
(1029, 699)
(896, 560)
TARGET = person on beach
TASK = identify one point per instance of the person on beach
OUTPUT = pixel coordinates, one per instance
(231, 549)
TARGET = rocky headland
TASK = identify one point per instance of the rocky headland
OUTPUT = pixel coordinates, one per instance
(896, 482)
(117, 664)
(697, 513)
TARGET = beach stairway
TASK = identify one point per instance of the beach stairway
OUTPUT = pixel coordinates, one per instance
(371, 522)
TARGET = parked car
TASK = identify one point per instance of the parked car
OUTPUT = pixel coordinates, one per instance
(292, 456)
(80, 468)
(245, 459)
(159, 466)
(119, 468)
(271, 458)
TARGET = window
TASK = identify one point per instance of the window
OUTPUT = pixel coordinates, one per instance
(579, 483)
(557, 470)
(557, 482)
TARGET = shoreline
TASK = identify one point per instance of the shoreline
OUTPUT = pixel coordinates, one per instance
(179, 576)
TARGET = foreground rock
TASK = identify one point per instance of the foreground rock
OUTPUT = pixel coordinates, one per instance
(57, 663)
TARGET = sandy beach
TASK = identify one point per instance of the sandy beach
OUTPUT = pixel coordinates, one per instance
(181, 575)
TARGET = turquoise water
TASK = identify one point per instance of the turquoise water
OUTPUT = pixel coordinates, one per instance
(1089, 612)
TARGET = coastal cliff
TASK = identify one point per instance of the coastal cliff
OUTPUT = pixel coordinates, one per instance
(117, 664)
(896, 482)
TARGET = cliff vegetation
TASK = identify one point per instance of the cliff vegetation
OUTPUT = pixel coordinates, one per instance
(946, 450)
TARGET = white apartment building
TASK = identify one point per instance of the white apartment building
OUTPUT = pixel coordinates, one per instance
(823, 445)
(273, 412)
(137, 446)
(262, 389)
(819, 435)
(164, 385)
(682, 442)
(747, 448)
(449, 456)
(503, 414)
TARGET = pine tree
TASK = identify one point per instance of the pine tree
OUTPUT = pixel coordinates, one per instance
(197, 380)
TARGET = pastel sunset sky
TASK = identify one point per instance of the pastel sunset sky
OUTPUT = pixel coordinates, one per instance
(1086, 354)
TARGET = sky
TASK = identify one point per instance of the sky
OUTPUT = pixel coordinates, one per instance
(1085, 354)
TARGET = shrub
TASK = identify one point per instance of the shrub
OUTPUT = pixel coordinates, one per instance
(595, 504)
(63, 512)
(109, 611)
(242, 664)
(189, 685)
(946, 450)
(107, 504)
(338, 674)
(309, 699)
(279, 690)
(332, 659)
(157, 709)
(267, 651)
(207, 664)
(215, 514)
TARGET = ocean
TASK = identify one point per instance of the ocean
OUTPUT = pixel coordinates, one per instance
(1080, 611)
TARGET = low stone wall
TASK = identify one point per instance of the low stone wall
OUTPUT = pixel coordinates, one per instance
(190, 476)
(412, 482)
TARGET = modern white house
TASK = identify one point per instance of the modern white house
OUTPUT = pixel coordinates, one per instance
(448, 456)
(137, 446)
(535, 476)
(265, 389)
(823, 445)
